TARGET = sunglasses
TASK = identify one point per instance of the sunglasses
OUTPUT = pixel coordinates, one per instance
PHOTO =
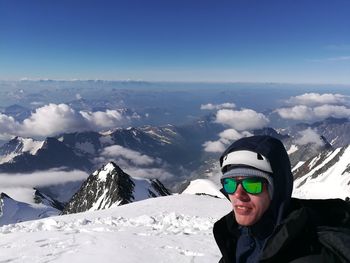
(252, 185)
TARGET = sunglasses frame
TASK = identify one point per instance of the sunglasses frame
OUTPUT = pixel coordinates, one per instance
(241, 182)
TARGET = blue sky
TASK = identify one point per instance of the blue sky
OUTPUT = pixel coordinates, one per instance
(294, 41)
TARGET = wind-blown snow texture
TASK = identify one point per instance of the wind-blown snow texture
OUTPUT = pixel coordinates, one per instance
(174, 228)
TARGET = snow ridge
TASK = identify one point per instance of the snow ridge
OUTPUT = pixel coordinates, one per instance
(325, 176)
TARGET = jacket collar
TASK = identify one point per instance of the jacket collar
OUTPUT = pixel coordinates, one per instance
(226, 234)
(289, 229)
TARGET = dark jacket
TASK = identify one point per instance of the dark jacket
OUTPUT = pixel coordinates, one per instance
(289, 229)
(313, 231)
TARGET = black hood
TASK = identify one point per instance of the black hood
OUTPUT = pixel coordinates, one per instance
(275, 152)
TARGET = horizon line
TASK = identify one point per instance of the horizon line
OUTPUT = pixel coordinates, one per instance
(171, 81)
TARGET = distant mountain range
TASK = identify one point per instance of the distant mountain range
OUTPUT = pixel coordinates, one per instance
(178, 150)
(335, 130)
(177, 146)
(23, 155)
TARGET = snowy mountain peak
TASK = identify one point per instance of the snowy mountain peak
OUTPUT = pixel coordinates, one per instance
(3, 196)
(101, 174)
(13, 211)
(111, 186)
(18, 146)
(203, 187)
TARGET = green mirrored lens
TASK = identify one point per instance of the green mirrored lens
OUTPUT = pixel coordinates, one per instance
(230, 185)
(252, 186)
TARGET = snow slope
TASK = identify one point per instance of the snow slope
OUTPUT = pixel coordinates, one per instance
(325, 176)
(12, 211)
(175, 228)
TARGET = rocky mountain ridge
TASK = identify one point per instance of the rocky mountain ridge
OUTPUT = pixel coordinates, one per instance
(111, 186)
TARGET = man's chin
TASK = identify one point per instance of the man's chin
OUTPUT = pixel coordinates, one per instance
(244, 220)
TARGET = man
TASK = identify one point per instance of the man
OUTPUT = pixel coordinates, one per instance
(266, 224)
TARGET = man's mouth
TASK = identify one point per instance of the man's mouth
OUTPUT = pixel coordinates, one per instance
(240, 209)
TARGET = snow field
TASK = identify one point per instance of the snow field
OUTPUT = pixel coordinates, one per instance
(166, 229)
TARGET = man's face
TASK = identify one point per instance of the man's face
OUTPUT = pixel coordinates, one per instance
(249, 208)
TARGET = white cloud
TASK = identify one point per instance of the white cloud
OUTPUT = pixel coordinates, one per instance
(325, 111)
(313, 99)
(226, 138)
(41, 179)
(7, 124)
(311, 106)
(53, 119)
(117, 151)
(241, 120)
(100, 119)
(309, 136)
(37, 103)
(20, 194)
(149, 173)
(299, 112)
(20, 186)
(5, 137)
(302, 112)
(211, 106)
(214, 146)
(230, 135)
(134, 163)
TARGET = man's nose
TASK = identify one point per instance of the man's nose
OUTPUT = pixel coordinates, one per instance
(240, 193)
